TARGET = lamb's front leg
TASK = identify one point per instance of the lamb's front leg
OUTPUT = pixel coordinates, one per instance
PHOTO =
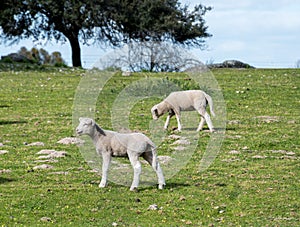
(106, 158)
(167, 122)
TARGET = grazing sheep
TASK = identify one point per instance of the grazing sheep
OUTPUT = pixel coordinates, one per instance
(185, 101)
(113, 144)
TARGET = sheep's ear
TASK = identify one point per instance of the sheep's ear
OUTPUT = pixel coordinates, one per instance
(156, 112)
(80, 119)
(93, 122)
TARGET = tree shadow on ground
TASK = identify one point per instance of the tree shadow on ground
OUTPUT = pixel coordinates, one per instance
(4, 180)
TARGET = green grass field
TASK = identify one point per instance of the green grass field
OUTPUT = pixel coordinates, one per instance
(254, 180)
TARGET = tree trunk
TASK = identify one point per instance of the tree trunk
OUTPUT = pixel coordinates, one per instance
(76, 55)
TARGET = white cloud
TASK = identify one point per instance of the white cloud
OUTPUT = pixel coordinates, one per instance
(263, 32)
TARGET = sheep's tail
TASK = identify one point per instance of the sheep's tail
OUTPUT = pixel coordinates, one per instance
(210, 103)
(154, 155)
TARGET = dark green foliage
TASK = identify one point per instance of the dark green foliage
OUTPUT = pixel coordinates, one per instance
(113, 22)
(35, 56)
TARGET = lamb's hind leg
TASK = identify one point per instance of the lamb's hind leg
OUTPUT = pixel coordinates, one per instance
(206, 117)
(201, 124)
(161, 180)
(209, 123)
(137, 169)
(178, 121)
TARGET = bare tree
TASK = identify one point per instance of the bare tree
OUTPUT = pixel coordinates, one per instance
(150, 56)
(298, 63)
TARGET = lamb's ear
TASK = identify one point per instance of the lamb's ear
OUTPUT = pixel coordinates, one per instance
(80, 119)
(92, 122)
(156, 112)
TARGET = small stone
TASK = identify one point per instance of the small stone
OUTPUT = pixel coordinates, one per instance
(164, 159)
(60, 173)
(153, 207)
(5, 171)
(181, 142)
(44, 166)
(182, 198)
(259, 157)
(3, 152)
(46, 152)
(71, 140)
(35, 144)
(174, 137)
(179, 148)
(46, 219)
(234, 152)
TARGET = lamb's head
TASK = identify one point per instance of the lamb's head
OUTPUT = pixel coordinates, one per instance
(85, 127)
(157, 111)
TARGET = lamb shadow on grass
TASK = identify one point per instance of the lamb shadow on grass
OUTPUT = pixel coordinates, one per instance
(4, 180)
(204, 129)
(142, 187)
(12, 122)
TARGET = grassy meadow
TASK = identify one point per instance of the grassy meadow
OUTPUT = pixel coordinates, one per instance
(254, 180)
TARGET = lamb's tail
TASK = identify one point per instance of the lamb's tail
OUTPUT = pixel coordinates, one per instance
(154, 155)
(210, 103)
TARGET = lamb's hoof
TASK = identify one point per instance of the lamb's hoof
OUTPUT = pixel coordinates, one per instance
(213, 130)
(134, 189)
(102, 185)
(161, 186)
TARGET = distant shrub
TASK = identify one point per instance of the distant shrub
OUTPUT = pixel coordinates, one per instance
(35, 56)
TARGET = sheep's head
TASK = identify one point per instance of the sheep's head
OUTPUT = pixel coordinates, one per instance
(155, 112)
(159, 109)
(85, 126)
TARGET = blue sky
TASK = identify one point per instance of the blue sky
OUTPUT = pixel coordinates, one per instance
(265, 34)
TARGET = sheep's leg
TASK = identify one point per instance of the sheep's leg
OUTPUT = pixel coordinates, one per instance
(105, 166)
(209, 123)
(137, 169)
(167, 122)
(201, 124)
(160, 176)
(178, 121)
(171, 114)
(206, 117)
(161, 180)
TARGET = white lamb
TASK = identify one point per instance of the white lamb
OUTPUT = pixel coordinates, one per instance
(113, 144)
(185, 101)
